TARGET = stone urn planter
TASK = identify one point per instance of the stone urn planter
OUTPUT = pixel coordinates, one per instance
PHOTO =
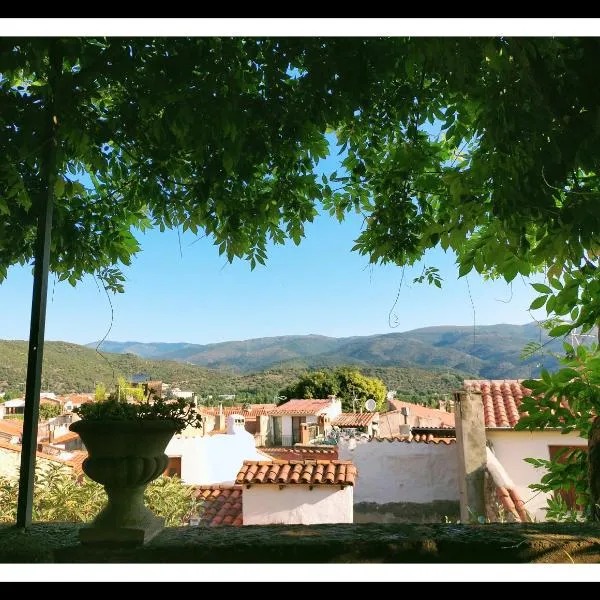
(124, 457)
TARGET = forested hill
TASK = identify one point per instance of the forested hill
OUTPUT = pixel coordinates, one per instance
(491, 351)
(73, 368)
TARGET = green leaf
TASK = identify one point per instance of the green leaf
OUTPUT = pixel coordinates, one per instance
(538, 302)
(59, 187)
(540, 287)
(464, 269)
(227, 163)
(560, 330)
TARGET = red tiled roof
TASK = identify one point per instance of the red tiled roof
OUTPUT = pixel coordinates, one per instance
(354, 419)
(76, 462)
(256, 410)
(423, 439)
(446, 419)
(77, 398)
(311, 472)
(66, 438)
(512, 503)
(300, 407)
(501, 400)
(301, 452)
(11, 426)
(222, 504)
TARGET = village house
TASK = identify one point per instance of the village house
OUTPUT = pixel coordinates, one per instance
(358, 422)
(214, 458)
(256, 419)
(281, 492)
(404, 416)
(302, 421)
(297, 492)
(501, 400)
(10, 458)
(70, 402)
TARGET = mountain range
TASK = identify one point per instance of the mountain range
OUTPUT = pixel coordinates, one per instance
(490, 351)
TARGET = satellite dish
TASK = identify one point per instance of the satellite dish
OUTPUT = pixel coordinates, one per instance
(370, 405)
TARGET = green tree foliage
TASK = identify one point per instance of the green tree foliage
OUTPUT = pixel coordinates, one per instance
(222, 136)
(49, 411)
(219, 135)
(59, 496)
(100, 393)
(346, 383)
(577, 383)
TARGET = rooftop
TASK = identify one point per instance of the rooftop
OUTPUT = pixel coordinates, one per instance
(11, 427)
(75, 462)
(311, 472)
(354, 419)
(300, 452)
(71, 435)
(501, 400)
(419, 438)
(425, 412)
(222, 504)
(301, 407)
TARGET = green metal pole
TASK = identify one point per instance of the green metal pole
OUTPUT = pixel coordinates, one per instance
(38, 309)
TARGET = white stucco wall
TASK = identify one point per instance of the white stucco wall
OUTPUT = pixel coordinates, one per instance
(334, 409)
(512, 447)
(403, 472)
(286, 426)
(213, 459)
(296, 504)
(9, 463)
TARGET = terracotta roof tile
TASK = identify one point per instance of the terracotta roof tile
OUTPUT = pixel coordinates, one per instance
(338, 472)
(300, 407)
(66, 438)
(222, 505)
(501, 400)
(423, 439)
(354, 419)
(444, 418)
(300, 452)
(75, 462)
(11, 426)
(511, 502)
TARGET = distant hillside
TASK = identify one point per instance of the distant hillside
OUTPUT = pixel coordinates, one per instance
(493, 352)
(73, 368)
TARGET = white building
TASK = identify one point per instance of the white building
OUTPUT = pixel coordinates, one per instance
(297, 492)
(212, 459)
(501, 400)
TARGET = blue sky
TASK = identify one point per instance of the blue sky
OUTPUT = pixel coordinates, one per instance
(317, 287)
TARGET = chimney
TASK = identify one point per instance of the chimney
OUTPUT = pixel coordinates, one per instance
(304, 433)
(236, 424)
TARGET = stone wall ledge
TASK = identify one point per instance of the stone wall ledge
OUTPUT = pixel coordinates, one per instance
(343, 543)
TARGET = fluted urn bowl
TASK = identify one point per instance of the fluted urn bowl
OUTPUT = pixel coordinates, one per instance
(124, 457)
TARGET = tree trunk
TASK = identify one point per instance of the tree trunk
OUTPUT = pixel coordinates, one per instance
(594, 469)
